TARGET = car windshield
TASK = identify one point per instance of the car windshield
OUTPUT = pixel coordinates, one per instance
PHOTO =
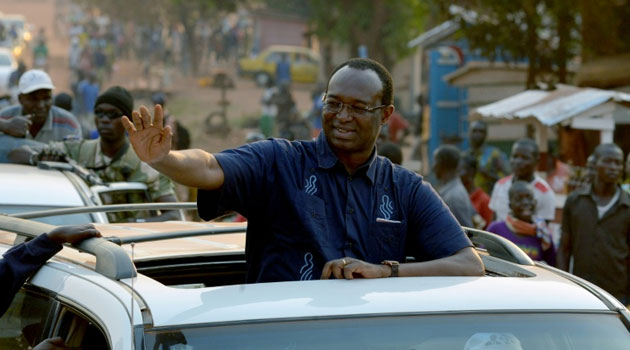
(5, 60)
(456, 331)
(59, 220)
(126, 196)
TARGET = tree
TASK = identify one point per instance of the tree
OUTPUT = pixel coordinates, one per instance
(541, 32)
(384, 27)
(604, 30)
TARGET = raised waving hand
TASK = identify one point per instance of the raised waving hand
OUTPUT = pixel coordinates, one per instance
(149, 138)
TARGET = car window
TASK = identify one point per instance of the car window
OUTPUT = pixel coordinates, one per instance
(124, 197)
(5, 60)
(302, 58)
(79, 332)
(274, 57)
(530, 331)
(59, 220)
(23, 324)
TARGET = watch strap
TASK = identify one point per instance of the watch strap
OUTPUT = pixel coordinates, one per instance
(393, 264)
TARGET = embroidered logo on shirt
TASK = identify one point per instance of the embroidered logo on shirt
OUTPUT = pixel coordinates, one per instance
(306, 272)
(310, 187)
(387, 207)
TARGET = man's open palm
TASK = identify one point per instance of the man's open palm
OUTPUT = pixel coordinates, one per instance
(150, 140)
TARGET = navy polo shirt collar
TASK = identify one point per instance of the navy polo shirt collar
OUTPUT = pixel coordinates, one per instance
(327, 159)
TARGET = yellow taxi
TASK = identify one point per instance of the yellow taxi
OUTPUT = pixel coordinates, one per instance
(304, 64)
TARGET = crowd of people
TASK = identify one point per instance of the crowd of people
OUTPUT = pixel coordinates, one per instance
(328, 205)
(485, 189)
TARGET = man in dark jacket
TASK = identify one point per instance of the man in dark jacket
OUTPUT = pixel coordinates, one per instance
(596, 227)
(19, 262)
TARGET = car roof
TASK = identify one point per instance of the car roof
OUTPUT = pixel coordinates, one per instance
(160, 249)
(519, 286)
(189, 246)
(278, 301)
(29, 185)
(289, 48)
(323, 298)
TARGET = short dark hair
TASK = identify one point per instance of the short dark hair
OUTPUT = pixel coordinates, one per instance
(447, 156)
(517, 185)
(603, 147)
(368, 64)
(468, 161)
(480, 122)
(391, 151)
(531, 143)
(63, 100)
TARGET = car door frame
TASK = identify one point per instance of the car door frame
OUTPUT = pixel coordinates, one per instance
(90, 294)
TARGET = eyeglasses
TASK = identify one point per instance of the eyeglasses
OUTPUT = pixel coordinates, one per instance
(111, 115)
(336, 107)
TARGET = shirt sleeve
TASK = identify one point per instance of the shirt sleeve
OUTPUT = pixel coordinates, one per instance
(19, 262)
(547, 209)
(493, 204)
(434, 233)
(484, 209)
(462, 210)
(247, 170)
(78, 133)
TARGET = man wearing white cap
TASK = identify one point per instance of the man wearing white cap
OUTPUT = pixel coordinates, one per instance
(35, 118)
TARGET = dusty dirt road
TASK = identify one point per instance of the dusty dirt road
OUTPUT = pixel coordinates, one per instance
(189, 102)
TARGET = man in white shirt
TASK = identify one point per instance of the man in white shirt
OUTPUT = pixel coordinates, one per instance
(523, 161)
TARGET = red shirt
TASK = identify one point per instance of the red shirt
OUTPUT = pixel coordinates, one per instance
(396, 123)
(480, 201)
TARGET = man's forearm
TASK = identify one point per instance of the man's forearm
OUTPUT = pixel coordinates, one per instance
(19, 263)
(465, 262)
(193, 168)
(22, 155)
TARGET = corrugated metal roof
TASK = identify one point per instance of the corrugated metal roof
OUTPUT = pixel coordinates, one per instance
(506, 107)
(550, 107)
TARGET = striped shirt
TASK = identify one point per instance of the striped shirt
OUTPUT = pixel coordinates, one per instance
(59, 126)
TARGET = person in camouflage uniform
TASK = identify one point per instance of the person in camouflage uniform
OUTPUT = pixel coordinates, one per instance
(492, 164)
(110, 157)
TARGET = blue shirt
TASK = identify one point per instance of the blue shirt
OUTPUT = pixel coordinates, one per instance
(283, 71)
(89, 94)
(304, 209)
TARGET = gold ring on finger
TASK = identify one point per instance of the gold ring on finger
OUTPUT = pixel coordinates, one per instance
(344, 262)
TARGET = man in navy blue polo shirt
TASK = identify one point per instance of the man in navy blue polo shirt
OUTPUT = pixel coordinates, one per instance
(324, 208)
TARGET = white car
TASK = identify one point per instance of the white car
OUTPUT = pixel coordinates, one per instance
(7, 66)
(188, 293)
(53, 185)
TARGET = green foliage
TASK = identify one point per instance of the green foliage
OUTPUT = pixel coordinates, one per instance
(605, 29)
(542, 32)
(384, 26)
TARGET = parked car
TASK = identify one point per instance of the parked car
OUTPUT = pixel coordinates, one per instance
(304, 64)
(52, 185)
(19, 44)
(188, 293)
(7, 66)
